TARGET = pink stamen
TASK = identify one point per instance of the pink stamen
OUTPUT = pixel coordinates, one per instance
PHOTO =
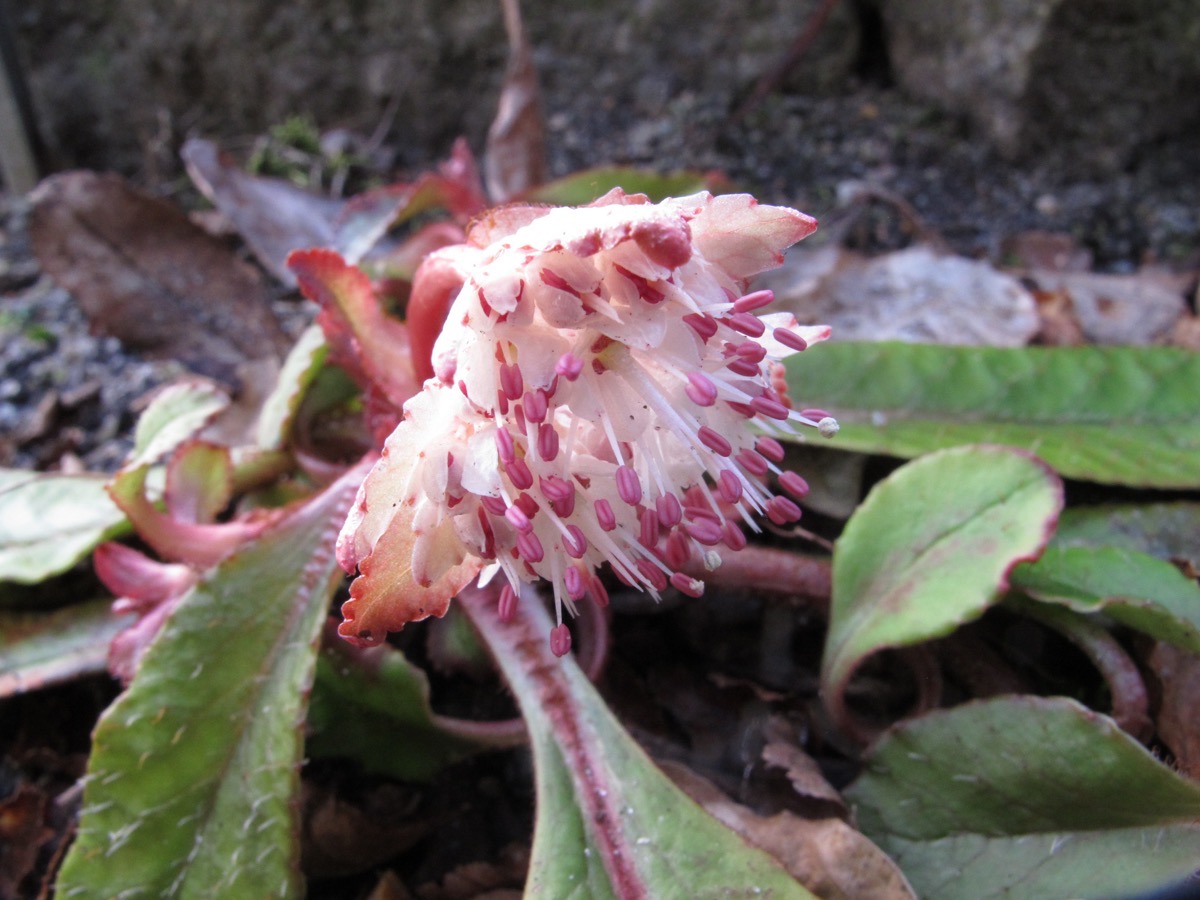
(714, 441)
(729, 486)
(506, 606)
(530, 547)
(575, 583)
(752, 462)
(772, 409)
(790, 339)
(751, 302)
(552, 279)
(704, 531)
(519, 474)
(505, 448)
(649, 528)
(733, 536)
(669, 511)
(751, 326)
(815, 414)
(701, 323)
(782, 511)
(494, 505)
(677, 550)
(605, 516)
(742, 408)
(751, 351)
(527, 505)
(770, 448)
(535, 406)
(566, 505)
(574, 542)
(560, 640)
(739, 366)
(794, 484)
(686, 584)
(598, 591)
(518, 520)
(700, 389)
(628, 487)
(554, 488)
(547, 441)
(652, 574)
(511, 381)
(569, 366)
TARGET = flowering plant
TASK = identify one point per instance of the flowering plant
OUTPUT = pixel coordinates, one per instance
(602, 391)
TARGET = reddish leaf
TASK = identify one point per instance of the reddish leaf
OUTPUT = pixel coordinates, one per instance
(273, 216)
(143, 272)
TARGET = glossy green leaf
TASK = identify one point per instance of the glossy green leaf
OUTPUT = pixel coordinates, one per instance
(299, 370)
(609, 822)
(1124, 415)
(930, 548)
(176, 414)
(1026, 797)
(1164, 530)
(372, 706)
(1133, 588)
(584, 187)
(41, 649)
(48, 523)
(191, 784)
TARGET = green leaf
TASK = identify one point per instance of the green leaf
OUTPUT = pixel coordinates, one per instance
(174, 415)
(48, 523)
(1026, 797)
(609, 822)
(41, 649)
(1164, 530)
(584, 187)
(929, 549)
(299, 370)
(1124, 415)
(1133, 588)
(372, 705)
(191, 784)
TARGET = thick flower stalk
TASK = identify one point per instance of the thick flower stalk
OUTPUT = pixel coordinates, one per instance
(604, 391)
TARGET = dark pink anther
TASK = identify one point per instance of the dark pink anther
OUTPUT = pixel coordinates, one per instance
(729, 486)
(756, 300)
(554, 488)
(751, 351)
(733, 536)
(535, 406)
(519, 474)
(654, 576)
(598, 591)
(648, 534)
(565, 506)
(552, 279)
(714, 441)
(743, 367)
(700, 389)
(747, 324)
(547, 441)
(790, 339)
(494, 505)
(794, 484)
(770, 448)
(527, 505)
(560, 640)
(742, 408)
(575, 583)
(511, 381)
(686, 584)
(569, 366)
(815, 414)
(605, 516)
(772, 409)
(506, 606)
(704, 531)
(518, 520)
(752, 462)
(677, 550)
(782, 511)
(669, 511)
(701, 323)
(574, 542)
(505, 448)
(530, 547)
(628, 487)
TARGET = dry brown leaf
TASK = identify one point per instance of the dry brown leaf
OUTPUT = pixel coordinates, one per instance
(1049, 251)
(917, 294)
(144, 273)
(498, 880)
(273, 216)
(827, 856)
(1177, 722)
(807, 780)
(516, 154)
(343, 838)
(1059, 326)
(1120, 309)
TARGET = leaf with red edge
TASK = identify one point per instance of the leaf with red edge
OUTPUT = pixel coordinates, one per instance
(455, 187)
(387, 595)
(363, 340)
(930, 549)
(41, 649)
(199, 482)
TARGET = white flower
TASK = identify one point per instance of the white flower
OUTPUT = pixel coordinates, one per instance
(604, 392)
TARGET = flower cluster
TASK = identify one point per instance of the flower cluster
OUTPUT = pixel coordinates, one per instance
(604, 391)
